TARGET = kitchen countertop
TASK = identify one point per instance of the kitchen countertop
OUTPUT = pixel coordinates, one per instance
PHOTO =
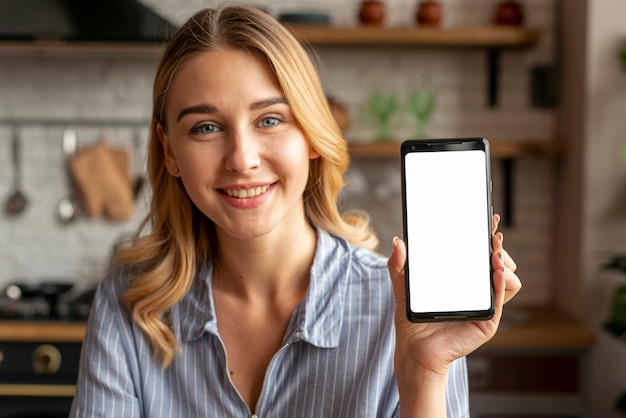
(41, 331)
(540, 328)
(523, 328)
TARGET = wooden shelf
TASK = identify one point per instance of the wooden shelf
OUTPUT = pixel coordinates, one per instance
(478, 37)
(500, 149)
(464, 37)
(492, 38)
(82, 49)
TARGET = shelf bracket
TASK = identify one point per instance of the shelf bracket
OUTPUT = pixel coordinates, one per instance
(507, 192)
(493, 74)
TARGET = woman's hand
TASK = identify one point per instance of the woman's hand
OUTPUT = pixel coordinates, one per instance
(424, 351)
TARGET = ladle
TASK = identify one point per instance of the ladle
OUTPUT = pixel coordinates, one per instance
(17, 201)
(139, 164)
(68, 208)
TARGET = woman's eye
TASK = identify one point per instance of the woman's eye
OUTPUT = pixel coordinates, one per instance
(207, 128)
(269, 122)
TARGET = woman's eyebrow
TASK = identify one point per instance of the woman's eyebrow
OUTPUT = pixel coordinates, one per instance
(268, 102)
(202, 109)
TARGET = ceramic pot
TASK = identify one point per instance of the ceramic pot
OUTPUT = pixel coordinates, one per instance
(508, 12)
(429, 13)
(372, 12)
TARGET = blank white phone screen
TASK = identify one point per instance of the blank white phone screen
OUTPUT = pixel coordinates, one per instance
(447, 215)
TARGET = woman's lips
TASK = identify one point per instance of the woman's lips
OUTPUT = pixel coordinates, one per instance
(246, 193)
(247, 197)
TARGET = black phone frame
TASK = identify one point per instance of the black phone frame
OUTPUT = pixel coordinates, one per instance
(446, 144)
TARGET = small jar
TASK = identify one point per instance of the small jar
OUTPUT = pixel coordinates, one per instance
(372, 12)
(508, 12)
(429, 13)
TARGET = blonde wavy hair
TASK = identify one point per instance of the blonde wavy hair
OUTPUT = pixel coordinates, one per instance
(175, 238)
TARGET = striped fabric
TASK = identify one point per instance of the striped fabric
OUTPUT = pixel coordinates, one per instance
(337, 358)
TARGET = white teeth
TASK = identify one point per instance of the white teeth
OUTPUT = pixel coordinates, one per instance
(246, 193)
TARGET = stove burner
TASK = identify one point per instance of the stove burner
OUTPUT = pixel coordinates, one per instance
(44, 301)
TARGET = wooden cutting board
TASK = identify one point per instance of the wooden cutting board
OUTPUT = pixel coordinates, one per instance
(103, 178)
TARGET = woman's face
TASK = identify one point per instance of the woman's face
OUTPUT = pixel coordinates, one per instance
(235, 144)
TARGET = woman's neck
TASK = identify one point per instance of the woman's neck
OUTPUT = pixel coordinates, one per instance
(271, 267)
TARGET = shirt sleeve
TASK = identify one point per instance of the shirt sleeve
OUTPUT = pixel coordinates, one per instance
(457, 390)
(105, 386)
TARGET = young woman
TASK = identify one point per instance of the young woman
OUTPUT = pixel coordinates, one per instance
(249, 294)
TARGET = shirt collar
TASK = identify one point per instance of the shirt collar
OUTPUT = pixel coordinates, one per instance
(317, 319)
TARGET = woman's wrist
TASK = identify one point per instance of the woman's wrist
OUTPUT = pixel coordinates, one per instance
(422, 392)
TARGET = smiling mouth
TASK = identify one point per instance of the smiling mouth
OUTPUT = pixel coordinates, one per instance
(247, 193)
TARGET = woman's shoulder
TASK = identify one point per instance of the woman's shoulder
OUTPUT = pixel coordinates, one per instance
(358, 258)
(367, 259)
(114, 284)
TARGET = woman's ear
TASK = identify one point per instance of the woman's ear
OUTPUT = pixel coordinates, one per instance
(313, 153)
(170, 159)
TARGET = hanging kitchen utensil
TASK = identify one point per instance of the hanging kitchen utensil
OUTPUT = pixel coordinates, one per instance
(68, 208)
(17, 201)
(102, 175)
(138, 164)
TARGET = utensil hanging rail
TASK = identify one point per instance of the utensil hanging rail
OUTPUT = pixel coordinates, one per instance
(77, 122)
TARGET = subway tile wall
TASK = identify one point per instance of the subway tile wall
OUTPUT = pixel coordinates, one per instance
(61, 90)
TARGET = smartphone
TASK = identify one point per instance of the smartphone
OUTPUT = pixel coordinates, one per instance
(447, 219)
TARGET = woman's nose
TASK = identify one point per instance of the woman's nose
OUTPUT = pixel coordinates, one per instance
(242, 154)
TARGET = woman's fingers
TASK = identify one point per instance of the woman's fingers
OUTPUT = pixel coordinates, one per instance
(506, 264)
(495, 223)
(396, 269)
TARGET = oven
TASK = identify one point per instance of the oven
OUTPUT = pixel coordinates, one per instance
(41, 335)
(37, 378)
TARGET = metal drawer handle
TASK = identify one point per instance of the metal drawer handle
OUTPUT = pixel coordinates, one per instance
(46, 359)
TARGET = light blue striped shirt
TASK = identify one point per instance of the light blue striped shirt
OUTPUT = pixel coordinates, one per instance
(336, 361)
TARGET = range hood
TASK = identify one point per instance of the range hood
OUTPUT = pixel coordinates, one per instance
(81, 21)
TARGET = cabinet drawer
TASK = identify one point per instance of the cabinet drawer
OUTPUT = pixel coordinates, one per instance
(523, 373)
(35, 363)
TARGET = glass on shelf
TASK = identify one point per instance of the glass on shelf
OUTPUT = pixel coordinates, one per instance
(421, 104)
(383, 105)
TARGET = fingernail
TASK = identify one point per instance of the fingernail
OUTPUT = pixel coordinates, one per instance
(394, 243)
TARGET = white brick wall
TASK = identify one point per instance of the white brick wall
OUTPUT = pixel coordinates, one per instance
(35, 246)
